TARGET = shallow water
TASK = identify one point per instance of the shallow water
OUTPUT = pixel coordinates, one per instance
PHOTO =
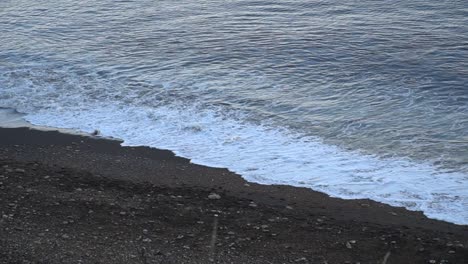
(355, 99)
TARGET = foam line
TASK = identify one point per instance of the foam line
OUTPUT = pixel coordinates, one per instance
(272, 156)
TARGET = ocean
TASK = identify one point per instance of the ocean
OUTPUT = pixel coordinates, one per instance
(356, 99)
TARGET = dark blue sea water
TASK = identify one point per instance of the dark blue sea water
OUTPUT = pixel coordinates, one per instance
(352, 98)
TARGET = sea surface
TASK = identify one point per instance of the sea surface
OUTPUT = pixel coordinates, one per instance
(357, 99)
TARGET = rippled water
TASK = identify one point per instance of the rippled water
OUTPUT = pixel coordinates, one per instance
(342, 96)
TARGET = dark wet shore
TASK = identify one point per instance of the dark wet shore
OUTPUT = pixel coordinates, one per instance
(73, 199)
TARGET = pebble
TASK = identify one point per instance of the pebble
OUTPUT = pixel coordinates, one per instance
(20, 170)
(348, 245)
(146, 240)
(65, 236)
(214, 196)
(432, 261)
(252, 204)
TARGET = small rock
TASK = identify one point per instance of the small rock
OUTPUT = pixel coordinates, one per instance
(145, 231)
(348, 245)
(303, 259)
(20, 170)
(252, 204)
(451, 252)
(146, 240)
(432, 261)
(289, 207)
(65, 236)
(214, 196)
(421, 249)
(122, 213)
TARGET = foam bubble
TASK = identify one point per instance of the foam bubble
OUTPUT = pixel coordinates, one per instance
(272, 156)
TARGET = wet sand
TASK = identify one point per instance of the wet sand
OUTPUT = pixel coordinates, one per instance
(68, 198)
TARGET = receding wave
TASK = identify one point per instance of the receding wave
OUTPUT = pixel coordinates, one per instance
(273, 156)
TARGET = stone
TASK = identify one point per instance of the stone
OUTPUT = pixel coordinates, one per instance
(303, 259)
(252, 204)
(214, 196)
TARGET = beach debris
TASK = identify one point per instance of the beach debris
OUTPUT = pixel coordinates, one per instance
(214, 196)
(96, 132)
(348, 245)
(289, 207)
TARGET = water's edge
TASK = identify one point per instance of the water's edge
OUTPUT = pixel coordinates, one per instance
(11, 118)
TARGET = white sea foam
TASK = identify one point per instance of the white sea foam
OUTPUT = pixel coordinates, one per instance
(272, 156)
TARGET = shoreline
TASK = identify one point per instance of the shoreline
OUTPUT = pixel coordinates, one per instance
(144, 166)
